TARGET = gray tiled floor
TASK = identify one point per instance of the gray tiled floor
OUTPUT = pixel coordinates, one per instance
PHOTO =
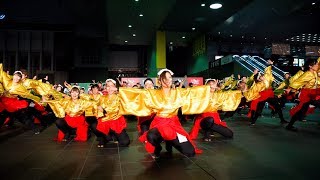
(266, 151)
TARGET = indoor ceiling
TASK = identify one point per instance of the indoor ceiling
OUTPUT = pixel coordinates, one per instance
(245, 20)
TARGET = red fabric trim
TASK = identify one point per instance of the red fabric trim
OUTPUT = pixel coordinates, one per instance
(78, 122)
(39, 107)
(143, 119)
(196, 127)
(306, 95)
(13, 104)
(7, 120)
(116, 125)
(36, 121)
(264, 95)
(168, 128)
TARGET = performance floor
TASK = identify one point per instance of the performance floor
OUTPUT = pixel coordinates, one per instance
(266, 151)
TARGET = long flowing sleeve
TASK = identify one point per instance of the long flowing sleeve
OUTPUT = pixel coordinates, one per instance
(41, 88)
(306, 80)
(135, 101)
(250, 81)
(296, 76)
(268, 76)
(197, 100)
(253, 92)
(72, 108)
(222, 100)
(58, 107)
(283, 85)
(230, 100)
(280, 89)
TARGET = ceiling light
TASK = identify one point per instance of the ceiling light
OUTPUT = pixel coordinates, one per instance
(183, 37)
(287, 39)
(203, 4)
(219, 32)
(134, 35)
(126, 41)
(265, 38)
(242, 37)
(171, 42)
(215, 6)
(2, 16)
(129, 26)
(230, 35)
(193, 29)
(254, 37)
(140, 15)
(313, 3)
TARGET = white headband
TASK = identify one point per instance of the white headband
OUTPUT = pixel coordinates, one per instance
(162, 70)
(111, 80)
(18, 72)
(78, 87)
(259, 75)
(207, 80)
(238, 82)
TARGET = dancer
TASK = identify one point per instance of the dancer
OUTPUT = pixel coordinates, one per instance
(210, 121)
(111, 122)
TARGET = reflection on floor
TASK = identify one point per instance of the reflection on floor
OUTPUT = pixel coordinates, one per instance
(266, 151)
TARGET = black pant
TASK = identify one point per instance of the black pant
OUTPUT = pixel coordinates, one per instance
(155, 138)
(3, 116)
(63, 126)
(145, 126)
(207, 125)
(122, 138)
(303, 111)
(273, 102)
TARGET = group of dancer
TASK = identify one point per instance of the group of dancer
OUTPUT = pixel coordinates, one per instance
(79, 114)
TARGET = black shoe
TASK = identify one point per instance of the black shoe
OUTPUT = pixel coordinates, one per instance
(292, 128)
(252, 124)
(284, 122)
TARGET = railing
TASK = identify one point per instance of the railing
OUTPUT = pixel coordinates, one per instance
(243, 63)
(275, 70)
(247, 62)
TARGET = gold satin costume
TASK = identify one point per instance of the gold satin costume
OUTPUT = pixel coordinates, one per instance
(12, 89)
(308, 80)
(70, 107)
(90, 97)
(254, 91)
(111, 105)
(195, 100)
